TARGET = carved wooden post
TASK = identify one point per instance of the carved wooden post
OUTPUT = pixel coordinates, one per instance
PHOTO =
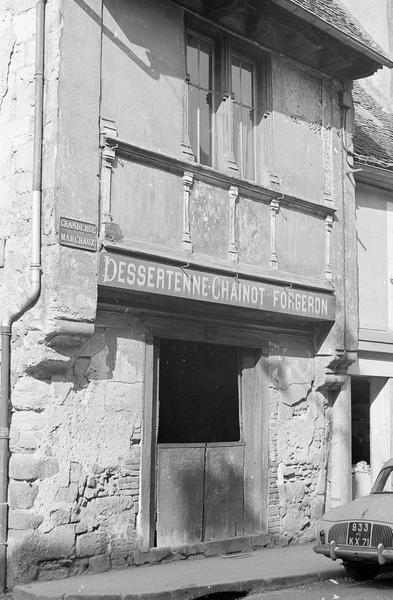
(269, 150)
(230, 164)
(274, 208)
(327, 140)
(108, 129)
(232, 250)
(186, 149)
(329, 227)
(266, 126)
(188, 180)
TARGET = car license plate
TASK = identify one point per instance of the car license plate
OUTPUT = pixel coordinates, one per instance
(359, 534)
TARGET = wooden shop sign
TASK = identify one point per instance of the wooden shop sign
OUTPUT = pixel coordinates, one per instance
(138, 274)
(78, 234)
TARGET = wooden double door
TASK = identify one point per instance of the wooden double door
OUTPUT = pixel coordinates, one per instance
(211, 459)
(200, 493)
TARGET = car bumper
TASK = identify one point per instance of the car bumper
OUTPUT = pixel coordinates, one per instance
(381, 555)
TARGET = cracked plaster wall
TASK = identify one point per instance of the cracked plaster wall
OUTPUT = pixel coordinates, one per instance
(67, 303)
(307, 116)
(17, 66)
(17, 26)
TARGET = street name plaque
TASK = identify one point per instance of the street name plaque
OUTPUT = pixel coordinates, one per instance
(138, 274)
(78, 234)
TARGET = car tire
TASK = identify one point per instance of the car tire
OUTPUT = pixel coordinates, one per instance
(361, 571)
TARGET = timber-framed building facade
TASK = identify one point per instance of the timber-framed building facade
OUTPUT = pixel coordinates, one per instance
(178, 380)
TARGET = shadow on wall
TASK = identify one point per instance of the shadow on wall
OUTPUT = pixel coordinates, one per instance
(120, 11)
(155, 65)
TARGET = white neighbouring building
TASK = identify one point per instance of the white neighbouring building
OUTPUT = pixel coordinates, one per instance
(372, 374)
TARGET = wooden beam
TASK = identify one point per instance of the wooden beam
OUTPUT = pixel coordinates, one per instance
(334, 63)
(221, 8)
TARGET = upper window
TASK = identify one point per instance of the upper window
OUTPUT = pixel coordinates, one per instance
(223, 98)
(243, 78)
(200, 97)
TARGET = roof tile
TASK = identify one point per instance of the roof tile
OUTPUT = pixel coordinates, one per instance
(373, 140)
(339, 17)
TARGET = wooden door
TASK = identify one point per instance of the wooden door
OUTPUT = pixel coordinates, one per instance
(224, 491)
(180, 482)
(200, 494)
(204, 485)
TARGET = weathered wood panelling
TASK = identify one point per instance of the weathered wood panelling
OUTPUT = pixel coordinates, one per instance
(300, 243)
(180, 474)
(147, 204)
(254, 232)
(255, 433)
(210, 213)
(224, 492)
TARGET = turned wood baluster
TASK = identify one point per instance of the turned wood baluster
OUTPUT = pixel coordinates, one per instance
(108, 128)
(232, 250)
(274, 208)
(329, 227)
(188, 180)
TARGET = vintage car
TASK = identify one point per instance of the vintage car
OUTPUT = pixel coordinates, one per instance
(361, 532)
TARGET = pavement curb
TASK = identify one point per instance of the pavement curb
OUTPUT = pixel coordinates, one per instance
(185, 592)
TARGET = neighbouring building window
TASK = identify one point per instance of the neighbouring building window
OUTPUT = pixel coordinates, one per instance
(227, 97)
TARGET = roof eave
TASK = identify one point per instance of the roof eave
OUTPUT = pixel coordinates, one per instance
(372, 175)
(380, 59)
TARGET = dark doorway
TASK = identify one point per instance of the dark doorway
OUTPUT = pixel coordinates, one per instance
(200, 452)
(209, 473)
(360, 409)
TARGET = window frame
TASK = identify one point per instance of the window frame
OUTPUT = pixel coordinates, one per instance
(213, 43)
(225, 45)
(245, 57)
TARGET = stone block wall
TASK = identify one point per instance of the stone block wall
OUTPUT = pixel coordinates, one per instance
(76, 447)
(298, 445)
(75, 462)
